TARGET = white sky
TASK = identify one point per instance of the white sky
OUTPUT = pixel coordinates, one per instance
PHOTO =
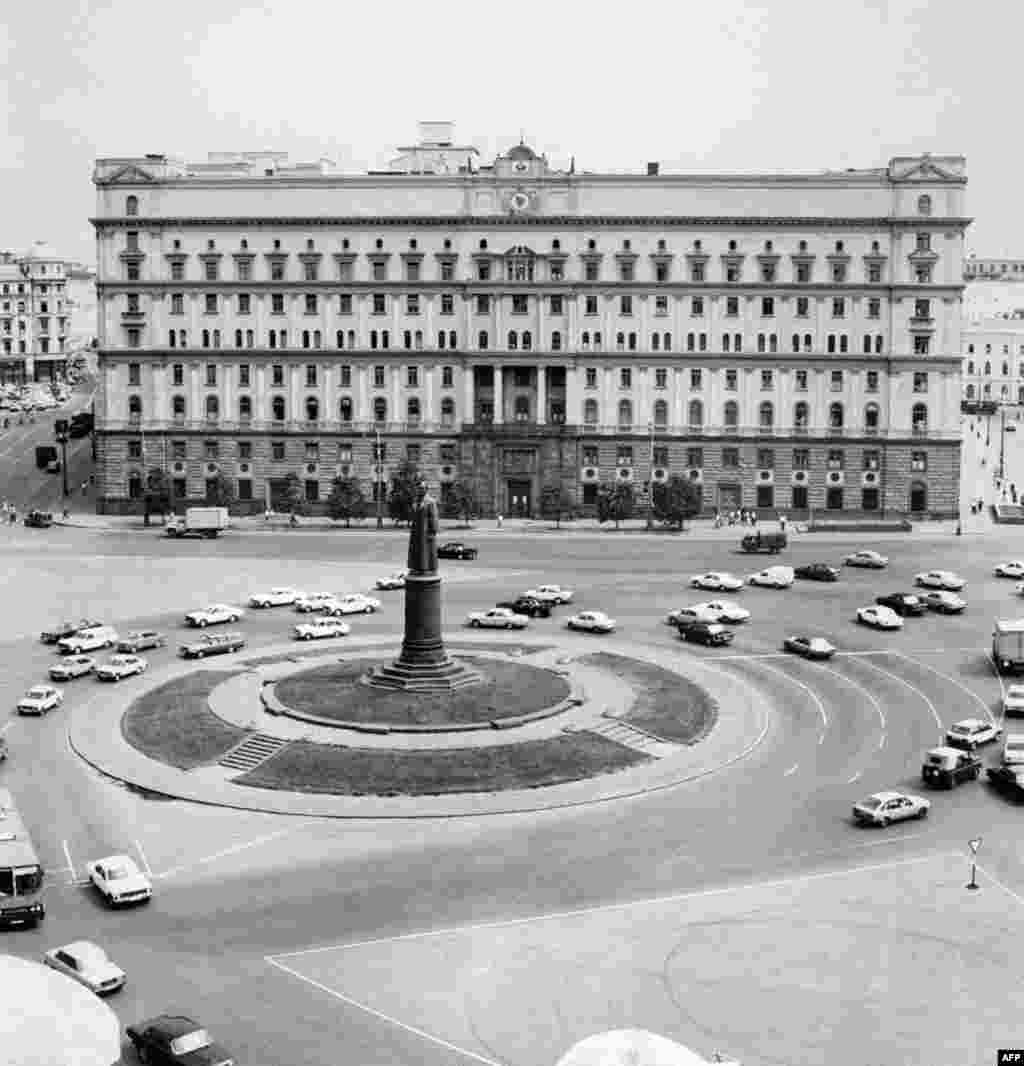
(712, 85)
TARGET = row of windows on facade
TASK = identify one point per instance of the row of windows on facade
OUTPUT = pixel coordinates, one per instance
(313, 450)
(971, 392)
(43, 309)
(44, 346)
(42, 325)
(20, 288)
(987, 369)
(988, 349)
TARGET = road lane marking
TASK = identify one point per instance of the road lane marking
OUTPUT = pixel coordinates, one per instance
(970, 692)
(422, 1033)
(792, 770)
(914, 689)
(1002, 690)
(881, 742)
(999, 884)
(71, 865)
(145, 861)
(807, 689)
(6, 727)
(850, 780)
(233, 850)
(856, 684)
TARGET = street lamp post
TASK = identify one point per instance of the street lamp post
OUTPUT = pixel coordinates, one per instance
(1002, 442)
(61, 433)
(380, 475)
(650, 476)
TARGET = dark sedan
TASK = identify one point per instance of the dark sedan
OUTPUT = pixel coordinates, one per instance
(905, 604)
(817, 572)
(169, 1039)
(456, 550)
(809, 647)
(711, 633)
(39, 519)
(528, 605)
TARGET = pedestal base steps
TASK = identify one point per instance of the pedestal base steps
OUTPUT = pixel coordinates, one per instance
(450, 675)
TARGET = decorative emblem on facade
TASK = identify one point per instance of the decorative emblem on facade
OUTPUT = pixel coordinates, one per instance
(520, 201)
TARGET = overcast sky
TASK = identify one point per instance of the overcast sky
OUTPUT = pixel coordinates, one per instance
(717, 85)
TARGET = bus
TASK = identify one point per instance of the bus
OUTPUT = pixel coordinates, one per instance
(21, 874)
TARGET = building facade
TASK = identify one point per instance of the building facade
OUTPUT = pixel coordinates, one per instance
(994, 360)
(790, 342)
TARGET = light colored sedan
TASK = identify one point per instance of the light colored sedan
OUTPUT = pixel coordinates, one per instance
(971, 733)
(214, 615)
(724, 611)
(591, 622)
(393, 581)
(1011, 569)
(774, 577)
(944, 602)
(690, 615)
(72, 666)
(118, 667)
(550, 594)
(879, 617)
(321, 628)
(940, 579)
(871, 560)
(119, 880)
(39, 699)
(497, 618)
(883, 808)
(88, 964)
(275, 597)
(1013, 701)
(354, 603)
(313, 601)
(717, 581)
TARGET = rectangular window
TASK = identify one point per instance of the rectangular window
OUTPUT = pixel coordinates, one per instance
(312, 491)
(923, 274)
(520, 305)
(447, 304)
(732, 306)
(836, 381)
(211, 449)
(922, 309)
(345, 376)
(556, 305)
(245, 450)
(412, 377)
(697, 272)
(919, 461)
(483, 305)
(765, 459)
(626, 272)
(661, 305)
(803, 307)
(695, 458)
(838, 307)
(244, 303)
(768, 272)
(379, 271)
(767, 379)
(874, 274)
(180, 488)
(211, 374)
(211, 303)
(178, 303)
(243, 375)
(178, 374)
(277, 375)
(310, 271)
(312, 451)
(310, 303)
(697, 307)
(731, 380)
(591, 377)
(803, 273)
(134, 338)
(836, 459)
(379, 303)
(178, 450)
(732, 273)
(590, 271)
(838, 273)
(801, 381)
(412, 272)
(447, 271)
(378, 377)
(243, 269)
(874, 308)
(626, 304)
(345, 304)
(590, 305)
(211, 270)
(661, 455)
(412, 304)
(660, 378)
(447, 377)
(277, 451)
(134, 373)
(135, 449)
(447, 452)
(920, 381)
(730, 458)
(872, 381)
(623, 455)
(310, 375)
(483, 271)
(276, 270)
(922, 345)
(801, 459)
(768, 307)
(412, 453)
(625, 378)
(277, 303)
(924, 242)
(696, 378)
(871, 460)
(344, 453)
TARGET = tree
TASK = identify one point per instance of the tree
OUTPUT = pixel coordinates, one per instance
(294, 496)
(614, 502)
(461, 500)
(554, 501)
(346, 500)
(402, 494)
(157, 498)
(676, 500)
(219, 491)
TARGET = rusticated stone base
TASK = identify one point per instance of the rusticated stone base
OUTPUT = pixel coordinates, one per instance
(449, 675)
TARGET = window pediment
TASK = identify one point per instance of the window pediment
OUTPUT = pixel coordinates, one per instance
(310, 257)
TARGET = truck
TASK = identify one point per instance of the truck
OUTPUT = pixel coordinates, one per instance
(198, 522)
(764, 542)
(946, 767)
(45, 454)
(1008, 646)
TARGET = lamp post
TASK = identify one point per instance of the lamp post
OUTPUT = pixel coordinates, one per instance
(380, 475)
(1002, 441)
(650, 476)
(60, 428)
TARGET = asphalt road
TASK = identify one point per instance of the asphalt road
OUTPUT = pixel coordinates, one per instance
(233, 888)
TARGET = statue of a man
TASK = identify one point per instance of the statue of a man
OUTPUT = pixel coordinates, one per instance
(423, 532)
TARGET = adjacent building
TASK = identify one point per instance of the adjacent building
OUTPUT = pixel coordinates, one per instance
(787, 341)
(994, 360)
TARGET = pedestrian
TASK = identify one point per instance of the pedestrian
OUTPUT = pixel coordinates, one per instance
(499, 521)
(266, 515)
(782, 522)
(85, 487)
(13, 515)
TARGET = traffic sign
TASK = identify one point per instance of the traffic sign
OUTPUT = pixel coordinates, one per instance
(974, 845)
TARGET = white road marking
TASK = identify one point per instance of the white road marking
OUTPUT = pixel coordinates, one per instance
(999, 884)
(867, 695)
(1002, 691)
(5, 728)
(984, 706)
(821, 739)
(914, 689)
(233, 850)
(145, 861)
(792, 770)
(851, 780)
(385, 1017)
(881, 742)
(67, 855)
(810, 692)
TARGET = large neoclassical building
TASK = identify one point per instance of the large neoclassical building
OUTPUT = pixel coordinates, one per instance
(788, 341)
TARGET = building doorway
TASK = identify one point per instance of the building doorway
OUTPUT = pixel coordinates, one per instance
(729, 498)
(519, 497)
(834, 499)
(918, 498)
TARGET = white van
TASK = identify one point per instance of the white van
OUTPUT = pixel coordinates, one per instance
(1013, 749)
(88, 640)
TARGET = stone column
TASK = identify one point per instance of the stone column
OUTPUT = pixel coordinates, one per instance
(468, 413)
(499, 395)
(542, 395)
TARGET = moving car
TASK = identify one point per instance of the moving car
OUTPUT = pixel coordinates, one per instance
(591, 622)
(140, 640)
(455, 549)
(88, 640)
(1011, 569)
(39, 519)
(118, 667)
(40, 699)
(353, 603)
(971, 733)
(870, 559)
(1013, 749)
(905, 604)
(550, 594)
(88, 964)
(774, 577)
(809, 647)
(497, 618)
(944, 602)
(313, 601)
(724, 611)
(688, 616)
(66, 629)
(320, 628)
(214, 615)
(1009, 779)
(212, 644)
(275, 597)
(392, 581)
(3, 748)
(817, 572)
(717, 581)
(528, 605)
(119, 880)
(940, 579)
(709, 633)
(772, 542)
(173, 1039)
(879, 617)
(1013, 700)
(883, 808)
(71, 667)
(946, 767)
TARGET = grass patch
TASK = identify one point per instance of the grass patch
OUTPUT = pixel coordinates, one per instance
(334, 691)
(322, 768)
(667, 705)
(174, 724)
(499, 647)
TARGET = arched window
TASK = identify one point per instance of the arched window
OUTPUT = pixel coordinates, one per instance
(447, 411)
(212, 408)
(924, 205)
(737, 342)
(412, 409)
(513, 340)
(871, 416)
(206, 338)
(655, 342)
(317, 338)
(134, 485)
(878, 344)
(178, 408)
(339, 338)
(794, 342)
(620, 342)
(696, 413)
(305, 338)
(244, 408)
(441, 336)
(345, 408)
(452, 339)
(134, 408)
(632, 342)
(660, 414)
(761, 342)
(988, 367)
(1004, 391)
(766, 415)
(238, 338)
(481, 340)
(773, 343)
(380, 409)
(1006, 368)
(919, 418)
(726, 341)
(830, 345)
(970, 393)
(407, 339)
(844, 343)
(731, 414)
(835, 416)
(385, 339)
(351, 338)
(801, 415)
(182, 338)
(172, 339)
(666, 341)
(282, 338)
(585, 341)
(918, 497)
(131, 205)
(590, 412)
(691, 340)
(273, 339)
(556, 341)
(808, 342)
(867, 343)
(597, 340)
(970, 366)
(527, 340)
(312, 409)
(625, 414)
(216, 338)
(418, 340)
(277, 408)
(373, 338)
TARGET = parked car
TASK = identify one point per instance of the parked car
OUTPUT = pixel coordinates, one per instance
(774, 577)
(724, 611)
(946, 767)
(1013, 749)
(809, 647)
(455, 549)
(88, 640)
(39, 519)
(940, 579)
(3, 749)
(869, 559)
(879, 618)
(709, 633)
(275, 597)
(175, 1040)
(1013, 700)
(816, 572)
(905, 604)
(118, 667)
(213, 615)
(550, 594)
(66, 629)
(353, 603)
(591, 622)
(392, 581)
(321, 628)
(1014, 569)
(943, 602)
(1008, 779)
(528, 605)
(313, 601)
(212, 644)
(497, 618)
(40, 699)
(971, 733)
(883, 808)
(688, 616)
(88, 964)
(141, 640)
(119, 880)
(717, 581)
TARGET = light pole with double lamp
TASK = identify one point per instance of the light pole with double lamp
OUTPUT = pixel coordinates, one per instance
(380, 480)
(61, 434)
(650, 476)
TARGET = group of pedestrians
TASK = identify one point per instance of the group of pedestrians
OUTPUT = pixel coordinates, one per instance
(10, 513)
(735, 518)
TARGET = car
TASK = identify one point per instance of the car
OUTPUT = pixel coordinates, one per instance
(140, 640)
(66, 629)
(353, 603)
(1019, 588)
(88, 640)
(173, 1039)
(725, 611)
(717, 581)
(809, 647)
(905, 604)
(88, 964)
(879, 617)
(1013, 700)
(971, 733)
(214, 615)
(119, 880)
(773, 577)
(321, 628)
(591, 622)
(946, 767)
(1009, 779)
(1013, 749)
(943, 602)
(118, 667)
(883, 808)
(1011, 569)
(3, 749)
(212, 644)
(38, 519)
(455, 549)
(939, 579)
(550, 594)
(40, 699)
(497, 618)
(528, 605)
(392, 581)
(313, 601)
(72, 666)
(688, 616)
(275, 597)
(816, 572)
(869, 559)
(710, 633)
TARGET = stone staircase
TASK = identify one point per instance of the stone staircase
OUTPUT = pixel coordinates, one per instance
(251, 752)
(625, 734)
